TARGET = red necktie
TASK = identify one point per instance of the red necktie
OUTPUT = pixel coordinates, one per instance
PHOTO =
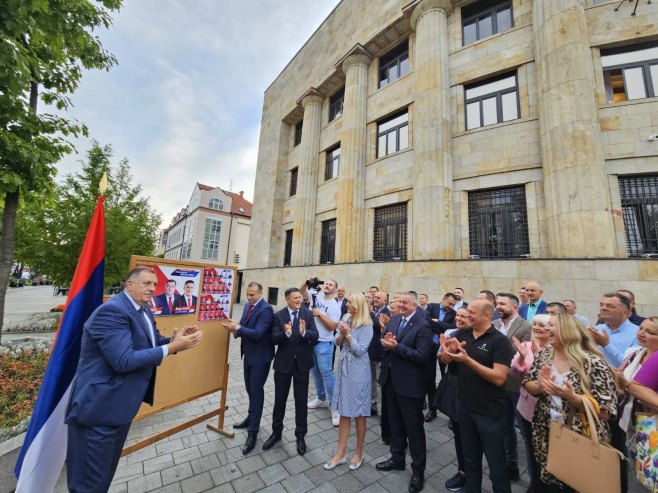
(251, 309)
(189, 301)
(170, 306)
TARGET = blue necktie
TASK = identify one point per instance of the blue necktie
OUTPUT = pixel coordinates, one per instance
(401, 327)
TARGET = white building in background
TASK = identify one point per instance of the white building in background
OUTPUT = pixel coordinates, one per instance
(214, 226)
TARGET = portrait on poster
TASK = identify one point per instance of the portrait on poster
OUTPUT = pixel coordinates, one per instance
(216, 294)
(177, 292)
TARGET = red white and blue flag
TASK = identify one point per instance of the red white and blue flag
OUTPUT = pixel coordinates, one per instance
(44, 448)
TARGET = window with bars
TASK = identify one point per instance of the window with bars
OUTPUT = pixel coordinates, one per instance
(482, 19)
(211, 239)
(287, 253)
(394, 64)
(493, 101)
(630, 73)
(498, 223)
(332, 163)
(328, 242)
(336, 104)
(393, 134)
(293, 182)
(390, 232)
(298, 133)
(639, 203)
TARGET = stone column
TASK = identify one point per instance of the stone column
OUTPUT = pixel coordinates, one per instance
(432, 220)
(351, 210)
(307, 179)
(575, 186)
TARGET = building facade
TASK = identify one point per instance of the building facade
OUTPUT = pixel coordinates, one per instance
(213, 226)
(436, 143)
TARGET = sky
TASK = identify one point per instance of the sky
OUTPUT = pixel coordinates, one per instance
(184, 103)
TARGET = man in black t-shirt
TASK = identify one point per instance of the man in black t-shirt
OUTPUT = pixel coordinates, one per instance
(483, 356)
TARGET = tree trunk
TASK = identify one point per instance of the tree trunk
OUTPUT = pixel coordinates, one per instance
(7, 248)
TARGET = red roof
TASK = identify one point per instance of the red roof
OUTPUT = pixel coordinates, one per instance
(239, 202)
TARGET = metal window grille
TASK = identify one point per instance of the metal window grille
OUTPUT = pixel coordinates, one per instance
(298, 133)
(639, 202)
(498, 223)
(287, 254)
(332, 163)
(328, 242)
(394, 64)
(273, 296)
(390, 233)
(481, 20)
(293, 182)
(336, 104)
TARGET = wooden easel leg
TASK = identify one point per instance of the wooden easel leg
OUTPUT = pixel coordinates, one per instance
(222, 409)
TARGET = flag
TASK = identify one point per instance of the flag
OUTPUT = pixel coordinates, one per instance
(44, 448)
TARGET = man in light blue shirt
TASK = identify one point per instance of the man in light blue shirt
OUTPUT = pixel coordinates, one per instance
(616, 334)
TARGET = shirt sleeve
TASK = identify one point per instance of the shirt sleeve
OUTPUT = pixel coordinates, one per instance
(503, 351)
(165, 351)
(648, 374)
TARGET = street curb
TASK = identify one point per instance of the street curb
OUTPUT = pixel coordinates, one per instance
(9, 450)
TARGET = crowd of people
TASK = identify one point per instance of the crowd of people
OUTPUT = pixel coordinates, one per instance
(509, 362)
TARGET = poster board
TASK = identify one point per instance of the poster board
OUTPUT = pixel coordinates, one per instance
(190, 293)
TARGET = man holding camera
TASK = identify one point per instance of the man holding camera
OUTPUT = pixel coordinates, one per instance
(326, 312)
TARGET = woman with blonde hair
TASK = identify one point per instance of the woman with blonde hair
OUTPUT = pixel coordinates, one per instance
(352, 388)
(571, 367)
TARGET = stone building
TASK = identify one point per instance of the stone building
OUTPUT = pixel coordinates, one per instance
(435, 143)
(213, 226)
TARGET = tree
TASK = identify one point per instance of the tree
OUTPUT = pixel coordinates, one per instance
(50, 234)
(44, 44)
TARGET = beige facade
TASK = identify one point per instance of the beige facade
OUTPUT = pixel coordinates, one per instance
(567, 146)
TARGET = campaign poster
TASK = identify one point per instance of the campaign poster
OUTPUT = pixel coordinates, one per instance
(177, 292)
(216, 294)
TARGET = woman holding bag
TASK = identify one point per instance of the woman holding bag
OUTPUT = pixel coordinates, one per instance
(560, 375)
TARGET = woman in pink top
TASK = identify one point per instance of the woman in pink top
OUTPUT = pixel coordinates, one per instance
(645, 384)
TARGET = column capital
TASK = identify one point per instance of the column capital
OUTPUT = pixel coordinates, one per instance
(358, 55)
(424, 6)
(309, 97)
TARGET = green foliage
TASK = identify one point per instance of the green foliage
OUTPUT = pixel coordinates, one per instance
(50, 234)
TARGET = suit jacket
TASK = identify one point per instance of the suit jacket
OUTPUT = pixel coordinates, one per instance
(343, 307)
(522, 330)
(256, 333)
(181, 302)
(448, 321)
(117, 365)
(541, 309)
(375, 348)
(295, 347)
(406, 364)
(161, 301)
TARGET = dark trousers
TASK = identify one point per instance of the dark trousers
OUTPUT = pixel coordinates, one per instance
(533, 465)
(511, 452)
(484, 434)
(281, 391)
(430, 374)
(383, 422)
(254, 381)
(92, 455)
(618, 441)
(405, 415)
(461, 462)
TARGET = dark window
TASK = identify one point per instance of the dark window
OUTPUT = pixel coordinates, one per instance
(273, 296)
(390, 234)
(394, 64)
(482, 19)
(298, 133)
(498, 223)
(287, 254)
(336, 104)
(630, 73)
(332, 163)
(639, 202)
(293, 182)
(493, 101)
(328, 242)
(393, 134)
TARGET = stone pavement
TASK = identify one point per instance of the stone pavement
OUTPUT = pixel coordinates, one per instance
(20, 303)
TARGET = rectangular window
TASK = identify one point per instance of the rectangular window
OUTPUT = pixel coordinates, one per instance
(186, 249)
(336, 104)
(498, 223)
(328, 242)
(394, 64)
(390, 232)
(393, 134)
(273, 296)
(287, 253)
(332, 163)
(482, 19)
(639, 203)
(298, 133)
(293, 182)
(493, 101)
(211, 239)
(630, 73)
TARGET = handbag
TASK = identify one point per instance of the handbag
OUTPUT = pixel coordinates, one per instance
(445, 396)
(646, 450)
(580, 461)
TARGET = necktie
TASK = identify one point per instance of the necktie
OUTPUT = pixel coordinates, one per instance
(170, 306)
(189, 301)
(401, 327)
(251, 309)
(295, 324)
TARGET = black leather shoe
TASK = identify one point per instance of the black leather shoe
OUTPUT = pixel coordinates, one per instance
(390, 465)
(429, 416)
(242, 424)
(250, 443)
(417, 482)
(301, 446)
(513, 473)
(373, 410)
(269, 443)
(386, 440)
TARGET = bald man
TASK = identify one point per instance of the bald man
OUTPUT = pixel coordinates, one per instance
(535, 305)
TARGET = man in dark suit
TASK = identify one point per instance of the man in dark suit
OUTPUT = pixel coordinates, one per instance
(294, 331)
(340, 298)
(166, 301)
(255, 329)
(380, 298)
(535, 305)
(121, 348)
(407, 345)
(187, 302)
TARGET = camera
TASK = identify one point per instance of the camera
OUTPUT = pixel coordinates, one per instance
(314, 283)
